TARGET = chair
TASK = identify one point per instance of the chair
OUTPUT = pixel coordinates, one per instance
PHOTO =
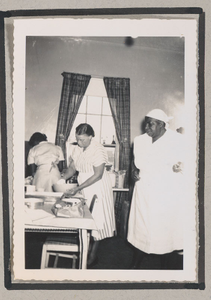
(63, 245)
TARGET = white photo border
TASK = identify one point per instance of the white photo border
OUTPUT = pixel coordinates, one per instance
(187, 28)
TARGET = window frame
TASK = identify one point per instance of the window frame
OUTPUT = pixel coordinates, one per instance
(115, 165)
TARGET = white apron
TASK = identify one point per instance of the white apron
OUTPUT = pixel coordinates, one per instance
(103, 210)
(156, 220)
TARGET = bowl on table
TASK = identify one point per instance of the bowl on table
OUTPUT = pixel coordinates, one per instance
(63, 188)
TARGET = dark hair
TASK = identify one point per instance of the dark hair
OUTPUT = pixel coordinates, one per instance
(84, 128)
(36, 138)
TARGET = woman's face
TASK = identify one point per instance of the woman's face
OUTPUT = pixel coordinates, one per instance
(152, 127)
(83, 140)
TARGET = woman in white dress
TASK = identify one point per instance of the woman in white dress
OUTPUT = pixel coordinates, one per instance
(45, 161)
(89, 159)
(156, 214)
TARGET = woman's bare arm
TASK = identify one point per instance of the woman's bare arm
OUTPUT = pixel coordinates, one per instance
(60, 165)
(98, 174)
(69, 172)
(32, 169)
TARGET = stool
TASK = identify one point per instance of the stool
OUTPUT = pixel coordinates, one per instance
(59, 245)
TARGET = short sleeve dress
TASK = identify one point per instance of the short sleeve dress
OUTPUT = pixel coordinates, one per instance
(103, 212)
(46, 156)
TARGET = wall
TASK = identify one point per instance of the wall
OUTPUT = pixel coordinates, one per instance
(156, 76)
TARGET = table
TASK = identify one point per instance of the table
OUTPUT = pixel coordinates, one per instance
(43, 220)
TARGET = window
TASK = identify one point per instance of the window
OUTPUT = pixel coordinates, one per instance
(95, 110)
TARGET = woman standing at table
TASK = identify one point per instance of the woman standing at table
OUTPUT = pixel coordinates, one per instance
(45, 161)
(89, 159)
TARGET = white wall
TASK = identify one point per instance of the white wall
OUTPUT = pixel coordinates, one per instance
(156, 77)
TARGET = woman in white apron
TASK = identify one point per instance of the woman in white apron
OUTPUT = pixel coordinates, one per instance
(89, 159)
(156, 221)
(45, 161)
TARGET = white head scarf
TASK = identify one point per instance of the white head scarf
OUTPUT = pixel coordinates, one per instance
(159, 114)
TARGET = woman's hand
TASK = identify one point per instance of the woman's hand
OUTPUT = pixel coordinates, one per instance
(134, 172)
(72, 192)
(135, 175)
(178, 167)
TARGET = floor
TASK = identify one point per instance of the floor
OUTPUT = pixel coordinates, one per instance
(113, 253)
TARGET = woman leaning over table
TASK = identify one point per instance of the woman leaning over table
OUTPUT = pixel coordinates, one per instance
(45, 161)
(89, 159)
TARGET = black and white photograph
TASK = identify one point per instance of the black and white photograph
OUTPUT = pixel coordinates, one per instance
(106, 131)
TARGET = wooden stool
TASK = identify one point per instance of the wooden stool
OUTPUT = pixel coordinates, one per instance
(60, 245)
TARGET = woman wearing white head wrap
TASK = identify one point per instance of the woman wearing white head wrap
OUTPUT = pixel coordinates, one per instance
(155, 222)
(160, 115)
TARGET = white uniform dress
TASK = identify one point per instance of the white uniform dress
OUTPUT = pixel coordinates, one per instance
(45, 156)
(103, 212)
(156, 220)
